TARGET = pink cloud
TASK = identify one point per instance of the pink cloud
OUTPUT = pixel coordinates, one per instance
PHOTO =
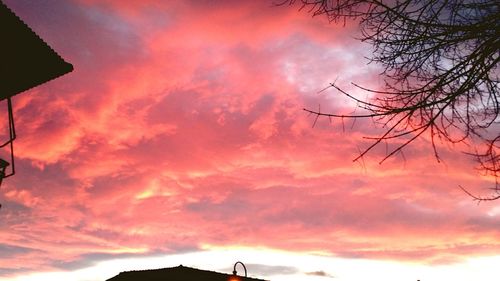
(183, 127)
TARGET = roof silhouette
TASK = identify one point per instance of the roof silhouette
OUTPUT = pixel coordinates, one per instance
(26, 60)
(179, 273)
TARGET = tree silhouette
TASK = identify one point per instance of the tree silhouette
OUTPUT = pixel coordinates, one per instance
(440, 67)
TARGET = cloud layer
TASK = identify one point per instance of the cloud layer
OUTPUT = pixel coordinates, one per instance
(181, 126)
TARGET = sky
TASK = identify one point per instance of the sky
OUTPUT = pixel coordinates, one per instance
(179, 138)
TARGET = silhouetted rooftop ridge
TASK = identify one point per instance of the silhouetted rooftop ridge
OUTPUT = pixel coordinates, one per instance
(178, 273)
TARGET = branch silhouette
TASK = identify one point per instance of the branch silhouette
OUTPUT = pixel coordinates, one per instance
(440, 68)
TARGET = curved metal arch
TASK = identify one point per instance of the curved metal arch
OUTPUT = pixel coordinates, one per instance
(244, 267)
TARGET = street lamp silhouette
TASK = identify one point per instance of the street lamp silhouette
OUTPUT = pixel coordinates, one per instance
(235, 276)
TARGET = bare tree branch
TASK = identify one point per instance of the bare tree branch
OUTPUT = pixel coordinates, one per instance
(440, 62)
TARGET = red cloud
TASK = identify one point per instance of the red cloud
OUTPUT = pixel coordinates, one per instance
(182, 126)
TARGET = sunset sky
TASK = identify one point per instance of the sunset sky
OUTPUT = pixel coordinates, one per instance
(180, 138)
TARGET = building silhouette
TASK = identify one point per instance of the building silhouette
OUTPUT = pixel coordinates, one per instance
(26, 61)
(178, 273)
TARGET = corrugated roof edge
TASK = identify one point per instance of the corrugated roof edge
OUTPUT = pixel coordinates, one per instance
(68, 67)
(41, 39)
